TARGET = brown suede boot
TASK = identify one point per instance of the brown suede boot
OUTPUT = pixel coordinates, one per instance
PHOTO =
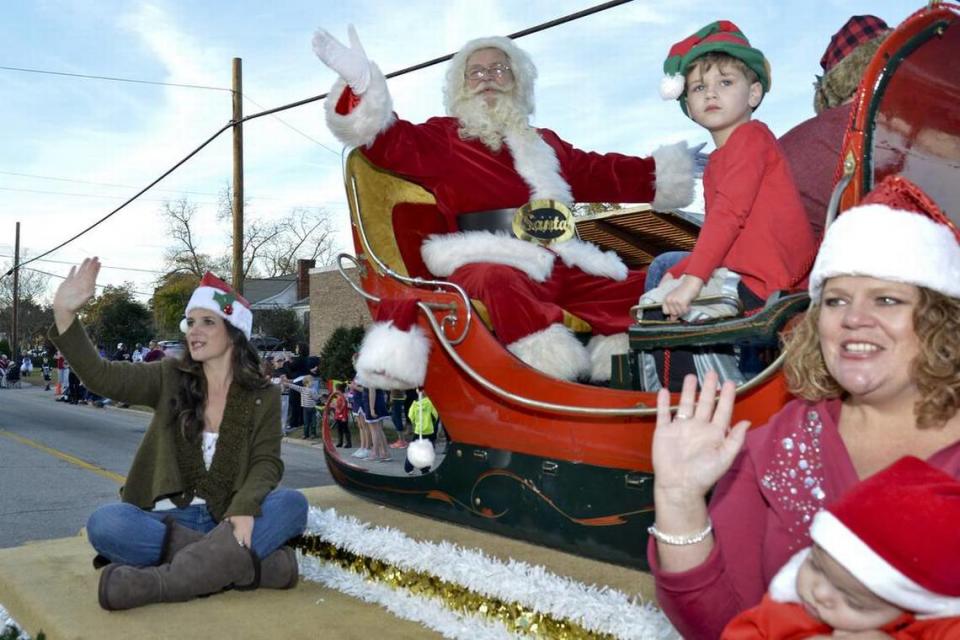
(279, 570)
(178, 537)
(210, 565)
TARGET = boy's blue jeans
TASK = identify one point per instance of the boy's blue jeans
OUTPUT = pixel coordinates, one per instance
(660, 265)
(309, 422)
(127, 534)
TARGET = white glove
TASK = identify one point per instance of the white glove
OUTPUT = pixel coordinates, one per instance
(351, 63)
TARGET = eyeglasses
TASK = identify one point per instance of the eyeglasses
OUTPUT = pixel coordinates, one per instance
(496, 71)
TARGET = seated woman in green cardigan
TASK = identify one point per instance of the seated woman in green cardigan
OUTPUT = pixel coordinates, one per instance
(200, 511)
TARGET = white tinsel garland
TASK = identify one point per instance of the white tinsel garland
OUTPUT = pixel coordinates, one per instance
(6, 620)
(600, 609)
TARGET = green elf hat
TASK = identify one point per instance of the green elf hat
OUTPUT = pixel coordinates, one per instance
(721, 36)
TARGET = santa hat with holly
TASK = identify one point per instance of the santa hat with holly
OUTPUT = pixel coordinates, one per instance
(895, 533)
(216, 295)
(721, 36)
(393, 354)
(895, 219)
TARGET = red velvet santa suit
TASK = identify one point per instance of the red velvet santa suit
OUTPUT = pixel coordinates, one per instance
(524, 287)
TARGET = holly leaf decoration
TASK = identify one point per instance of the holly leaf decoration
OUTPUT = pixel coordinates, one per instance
(225, 301)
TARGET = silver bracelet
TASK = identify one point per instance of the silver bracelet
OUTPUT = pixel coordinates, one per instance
(693, 538)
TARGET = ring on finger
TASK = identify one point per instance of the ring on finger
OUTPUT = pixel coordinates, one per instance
(682, 416)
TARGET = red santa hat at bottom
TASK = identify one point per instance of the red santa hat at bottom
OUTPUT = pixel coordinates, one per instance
(393, 354)
(895, 532)
(213, 294)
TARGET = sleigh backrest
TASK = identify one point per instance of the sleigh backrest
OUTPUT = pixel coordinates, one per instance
(395, 214)
(906, 118)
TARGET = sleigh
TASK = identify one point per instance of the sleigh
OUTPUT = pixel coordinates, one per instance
(568, 465)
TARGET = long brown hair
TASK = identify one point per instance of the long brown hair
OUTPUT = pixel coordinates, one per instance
(188, 403)
(936, 369)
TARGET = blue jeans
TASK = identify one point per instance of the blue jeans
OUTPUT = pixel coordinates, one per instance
(396, 414)
(127, 534)
(660, 265)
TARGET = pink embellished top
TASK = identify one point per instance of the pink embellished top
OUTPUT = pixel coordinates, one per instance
(761, 510)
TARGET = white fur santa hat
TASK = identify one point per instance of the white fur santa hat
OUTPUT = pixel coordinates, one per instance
(393, 354)
(216, 295)
(894, 532)
(896, 233)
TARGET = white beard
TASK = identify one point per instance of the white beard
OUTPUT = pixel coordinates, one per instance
(488, 124)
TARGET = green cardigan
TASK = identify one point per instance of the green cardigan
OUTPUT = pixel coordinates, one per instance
(246, 465)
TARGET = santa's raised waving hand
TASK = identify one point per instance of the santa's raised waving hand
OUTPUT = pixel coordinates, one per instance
(350, 63)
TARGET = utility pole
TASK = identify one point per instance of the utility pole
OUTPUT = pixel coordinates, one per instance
(14, 344)
(237, 176)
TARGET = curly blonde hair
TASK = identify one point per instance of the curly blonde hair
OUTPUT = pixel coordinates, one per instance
(936, 321)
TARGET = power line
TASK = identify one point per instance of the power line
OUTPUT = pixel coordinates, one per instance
(519, 34)
(102, 266)
(113, 79)
(98, 286)
(125, 186)
(291, 127)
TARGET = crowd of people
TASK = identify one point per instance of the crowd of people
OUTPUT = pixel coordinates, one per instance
(814, 524)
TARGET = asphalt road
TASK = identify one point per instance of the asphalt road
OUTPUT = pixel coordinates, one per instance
(58, 462)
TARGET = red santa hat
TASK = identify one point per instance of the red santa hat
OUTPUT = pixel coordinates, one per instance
(895, 533)
(896, 233)
(393, 354)
(216, 295)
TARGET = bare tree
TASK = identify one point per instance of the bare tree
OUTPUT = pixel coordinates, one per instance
(33, 284)
(270, 247)
(184, 255)
(303, 234)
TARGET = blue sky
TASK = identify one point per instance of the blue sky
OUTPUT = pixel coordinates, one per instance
(72, 149)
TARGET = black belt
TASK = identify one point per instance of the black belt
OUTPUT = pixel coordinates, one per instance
(493, 220)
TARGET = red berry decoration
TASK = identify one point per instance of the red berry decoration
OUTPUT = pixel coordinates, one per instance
(228, 309)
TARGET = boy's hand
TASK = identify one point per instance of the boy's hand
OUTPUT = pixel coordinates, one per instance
(677, 302)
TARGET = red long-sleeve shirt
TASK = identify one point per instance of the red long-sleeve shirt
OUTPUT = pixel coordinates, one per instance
(755, 223)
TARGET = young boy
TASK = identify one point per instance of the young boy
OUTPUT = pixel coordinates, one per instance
(885, 563)
(341, 414)
(754, 223)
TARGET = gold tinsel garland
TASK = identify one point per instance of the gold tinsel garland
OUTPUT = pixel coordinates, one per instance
(515, 617)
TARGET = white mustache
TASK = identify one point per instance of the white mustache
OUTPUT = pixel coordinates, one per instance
(487, 86)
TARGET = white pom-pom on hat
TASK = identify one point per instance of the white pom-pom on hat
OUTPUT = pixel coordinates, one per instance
(671, 86)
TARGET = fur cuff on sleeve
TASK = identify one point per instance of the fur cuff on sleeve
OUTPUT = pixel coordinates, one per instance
(445, 253)
(374, 113)
(588, 257)
(674, 177)
(393, 359)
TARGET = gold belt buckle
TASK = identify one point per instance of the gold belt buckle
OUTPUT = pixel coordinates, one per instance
(544, 222)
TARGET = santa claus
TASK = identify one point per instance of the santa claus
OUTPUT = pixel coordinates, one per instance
(485, 157)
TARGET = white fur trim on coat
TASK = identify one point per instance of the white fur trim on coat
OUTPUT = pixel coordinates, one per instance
(674, 177)
(393, 359)
(589, 258)
(601, 350)
(537, 164)
(555, 351)
(372, 115)
(445, 253)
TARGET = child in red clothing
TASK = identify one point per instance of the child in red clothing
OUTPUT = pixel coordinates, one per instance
(755, 225)
(341, 413)
(884, 564)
